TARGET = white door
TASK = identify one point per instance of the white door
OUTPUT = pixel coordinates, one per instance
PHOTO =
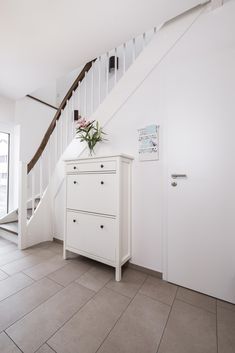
(200, 225)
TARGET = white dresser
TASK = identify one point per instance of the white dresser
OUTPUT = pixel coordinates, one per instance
(98, 209)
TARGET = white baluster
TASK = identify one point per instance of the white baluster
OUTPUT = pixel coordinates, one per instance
(124, 58)
(99, 80)
(133, 49)
(92, 88)
(22, 215)
(61, 133)
(49, 159)
(66, 123)
(58, 138)
(56, 141)
(33, 189)
(79, 99)
(40, 177)
(107, 74)
(144, 40)
(115, 66)
(71, 118)
(85, 95)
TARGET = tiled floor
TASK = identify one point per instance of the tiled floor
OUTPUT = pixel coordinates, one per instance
(50, 305)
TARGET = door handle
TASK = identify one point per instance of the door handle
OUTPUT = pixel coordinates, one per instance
(175, 176)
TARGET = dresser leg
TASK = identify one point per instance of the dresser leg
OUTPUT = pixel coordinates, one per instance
(64, 254)
(118, 273)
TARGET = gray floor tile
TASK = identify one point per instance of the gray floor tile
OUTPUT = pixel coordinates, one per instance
(45, 268)
(34, 329)
(45, 349)
(197, 299)
(12, 256)
(131, 282)
(21, 303)
(56, 248)
(189, 330)
(225, 305)
(3, 275)
(6, 345)
(27, 262)
(7, 248)
(87, 329)
(13, 284)
(96, 277)
(70, 273)
(139, 329)
(3, 242)
(160, 290)
(226, 330)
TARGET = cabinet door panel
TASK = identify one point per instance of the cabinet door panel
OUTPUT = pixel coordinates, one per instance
(92, 234)
(92, 193)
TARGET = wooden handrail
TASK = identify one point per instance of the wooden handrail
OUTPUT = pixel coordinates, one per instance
(40, 101)
(52, 125)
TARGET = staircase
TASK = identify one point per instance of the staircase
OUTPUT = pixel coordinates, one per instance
(9, 230)
(98, 92)
(92, 86)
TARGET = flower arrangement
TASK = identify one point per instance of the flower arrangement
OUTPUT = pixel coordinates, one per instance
(90, 132)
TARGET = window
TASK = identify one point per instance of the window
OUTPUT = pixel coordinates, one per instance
(4, 172)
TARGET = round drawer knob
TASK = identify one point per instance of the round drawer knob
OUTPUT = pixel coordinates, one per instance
(74, 220)
(75, 182)
(101, 166)
(101, 226)
(102, 183)
(74, 167)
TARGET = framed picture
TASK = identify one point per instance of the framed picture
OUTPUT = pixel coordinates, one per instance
(149, 143)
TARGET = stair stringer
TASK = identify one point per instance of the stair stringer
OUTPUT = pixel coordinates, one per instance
(39, 227)
(146, 62)
(12, 216)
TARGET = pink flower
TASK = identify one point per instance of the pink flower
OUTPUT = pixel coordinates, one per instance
(83, 123)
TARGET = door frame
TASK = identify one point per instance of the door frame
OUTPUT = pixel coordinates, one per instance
(165, 156)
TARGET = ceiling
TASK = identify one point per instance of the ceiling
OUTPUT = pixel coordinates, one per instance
(41, 40)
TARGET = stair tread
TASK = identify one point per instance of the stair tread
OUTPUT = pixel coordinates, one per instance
(10, 227)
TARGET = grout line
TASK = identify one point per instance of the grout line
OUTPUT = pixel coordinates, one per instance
(196, 306)
(45, 343)
(70, 318)
(17, 290)
(115, 291)
(121, 315)
(29, 312)
(73, 281)
(13, 341)
(95, 294)
(27, 268)
(6, 272)
(159, 344)
(14, 259)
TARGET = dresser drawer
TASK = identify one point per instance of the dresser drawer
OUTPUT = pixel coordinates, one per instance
(92, 234)
(97, 166)
(92, 193)
(72, 168)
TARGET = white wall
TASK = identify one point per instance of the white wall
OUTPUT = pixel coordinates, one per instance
(161, 91)
(47, 93)
(7, 124)
(34, 118)
(7, 107)
(151, 102)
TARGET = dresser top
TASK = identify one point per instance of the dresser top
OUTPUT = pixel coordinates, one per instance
(99, 157)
